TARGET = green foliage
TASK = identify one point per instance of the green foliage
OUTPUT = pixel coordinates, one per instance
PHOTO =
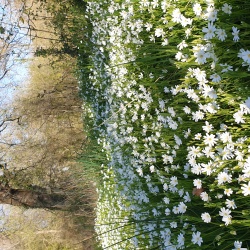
(69, 22)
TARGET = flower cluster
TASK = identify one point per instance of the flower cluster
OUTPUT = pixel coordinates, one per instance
(170, 99)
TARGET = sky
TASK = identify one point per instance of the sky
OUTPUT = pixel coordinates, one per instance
(16, 78)
(18, 63)
(16, 54)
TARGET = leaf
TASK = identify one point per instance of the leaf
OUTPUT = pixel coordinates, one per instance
(21, 19)
(237, 74)
(2, 30)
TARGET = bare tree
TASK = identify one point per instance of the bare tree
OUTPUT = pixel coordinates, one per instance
(14, 42)
(41, 129)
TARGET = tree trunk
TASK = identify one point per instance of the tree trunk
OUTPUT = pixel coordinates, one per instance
(31, 199)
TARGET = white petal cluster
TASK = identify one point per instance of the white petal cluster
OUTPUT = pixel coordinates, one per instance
(177, 159)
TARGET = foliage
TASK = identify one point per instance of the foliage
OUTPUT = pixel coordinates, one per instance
(67, 19)
(49, 136)
(44, 135)
(169, 91)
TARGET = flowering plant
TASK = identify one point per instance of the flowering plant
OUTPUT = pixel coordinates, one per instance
(169, 86)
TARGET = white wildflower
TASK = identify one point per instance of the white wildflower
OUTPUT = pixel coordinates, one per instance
(206, 217)
(197, 9)
(208, 127)
(235, 33)
(196, 238)
(221, 34)
(209, 30)
(210, 140)
(182, 207)
(246, 189)
(159, 32)
(238, 117)
(227, 8)
(237, 245)
(228, 191)
(230, 204)
(224, 177)
(205, 197)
